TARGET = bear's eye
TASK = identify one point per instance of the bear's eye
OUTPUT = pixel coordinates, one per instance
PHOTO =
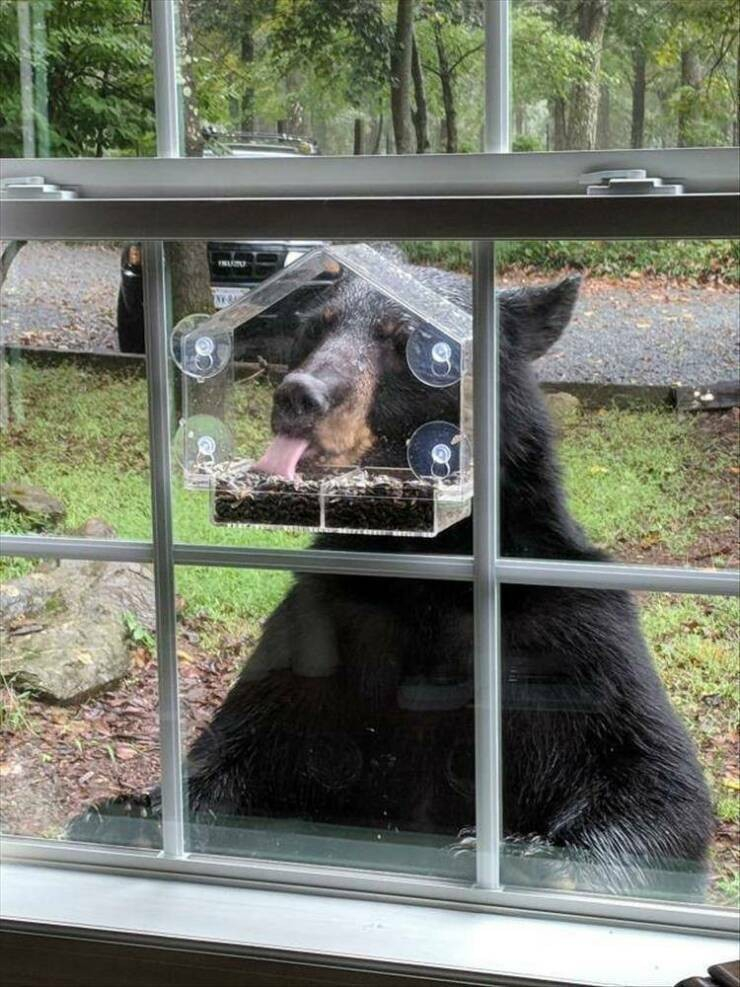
(308, 335)
(394, 331)
(314, 330)
(329, 315)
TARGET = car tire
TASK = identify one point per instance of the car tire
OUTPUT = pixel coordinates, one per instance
(129, 328)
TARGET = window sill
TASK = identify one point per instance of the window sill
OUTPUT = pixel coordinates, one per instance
(331, 932)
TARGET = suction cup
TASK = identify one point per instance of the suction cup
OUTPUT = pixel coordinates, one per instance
(433, 358)
(437, 450)
(202, 442)
(198, 352)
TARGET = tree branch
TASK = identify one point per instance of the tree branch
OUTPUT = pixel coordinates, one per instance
(467, 54)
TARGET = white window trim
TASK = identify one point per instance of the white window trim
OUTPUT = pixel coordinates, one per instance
(477, 196)
(404, 938)
(440, 175)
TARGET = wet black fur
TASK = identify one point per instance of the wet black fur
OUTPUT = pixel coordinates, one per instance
(595, 760)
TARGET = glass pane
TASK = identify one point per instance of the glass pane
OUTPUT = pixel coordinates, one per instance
(639, 365)
(76, 79)
(591, 74)
(78, 701)
(322, 390)
(620, 743)
(276, 80)
(74, 455)
(328, 720)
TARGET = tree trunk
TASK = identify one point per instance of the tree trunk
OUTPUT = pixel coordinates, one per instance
(377, 136)
(359, 137)
(193, 129)
(188, 260)
(603, 128)
(420, 114)
(559, 127)
(584, 101)
(191, 285)
(448, 93)
(247, 57)
(736, 124)
(442, 134)
(690, 82)
(639, 85)
(519, 120)
(401, 77)
(294, 85)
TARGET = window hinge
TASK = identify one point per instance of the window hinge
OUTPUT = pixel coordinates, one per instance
(33, 187)
(627, 181)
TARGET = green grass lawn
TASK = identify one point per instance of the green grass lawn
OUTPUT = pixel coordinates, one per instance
(83, 437)
(646, 484)
(643, 480)
(702, 260)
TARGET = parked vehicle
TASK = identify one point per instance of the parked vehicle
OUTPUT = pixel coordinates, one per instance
(234, 267)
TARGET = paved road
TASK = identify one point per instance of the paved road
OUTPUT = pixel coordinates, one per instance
(64, 296)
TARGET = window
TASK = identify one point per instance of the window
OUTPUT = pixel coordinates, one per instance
(60, 419)
(618, 74)
(428, 199)
(77, 80)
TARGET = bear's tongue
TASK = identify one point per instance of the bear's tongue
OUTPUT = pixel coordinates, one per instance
(281, 456)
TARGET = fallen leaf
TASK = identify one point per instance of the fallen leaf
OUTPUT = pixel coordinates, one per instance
(124, 752)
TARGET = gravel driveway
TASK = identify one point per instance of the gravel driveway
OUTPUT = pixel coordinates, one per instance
(638, 332)
(62, 296)
(648, 333)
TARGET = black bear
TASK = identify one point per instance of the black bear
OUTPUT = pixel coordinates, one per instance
(357, 704)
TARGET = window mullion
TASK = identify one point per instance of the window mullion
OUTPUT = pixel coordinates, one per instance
(155, 309)
(166, 97)
(498, 77)
(486, 591)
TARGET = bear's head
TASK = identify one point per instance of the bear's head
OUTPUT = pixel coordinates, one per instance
(349, 396)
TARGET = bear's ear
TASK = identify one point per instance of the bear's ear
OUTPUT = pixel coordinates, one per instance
(534, 318)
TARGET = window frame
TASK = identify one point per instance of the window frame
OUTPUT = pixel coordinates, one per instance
(511, 195)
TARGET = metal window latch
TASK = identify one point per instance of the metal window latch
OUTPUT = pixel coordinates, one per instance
(33, 187)
(626, 181)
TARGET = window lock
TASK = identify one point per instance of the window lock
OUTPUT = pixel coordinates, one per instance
(33, 187)
(627, 181)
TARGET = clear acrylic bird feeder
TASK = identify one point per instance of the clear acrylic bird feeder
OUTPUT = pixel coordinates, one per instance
(226, 409)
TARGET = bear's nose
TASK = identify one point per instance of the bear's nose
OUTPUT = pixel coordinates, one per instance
(302, 394)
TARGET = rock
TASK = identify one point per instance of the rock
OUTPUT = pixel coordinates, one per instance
(24, 597)
(75, 644)
(564, 408)
(33, 501)
(95, 527)
(120, 587)
(69, 660)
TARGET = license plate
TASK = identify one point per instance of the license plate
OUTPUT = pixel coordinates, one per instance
(227, 296)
